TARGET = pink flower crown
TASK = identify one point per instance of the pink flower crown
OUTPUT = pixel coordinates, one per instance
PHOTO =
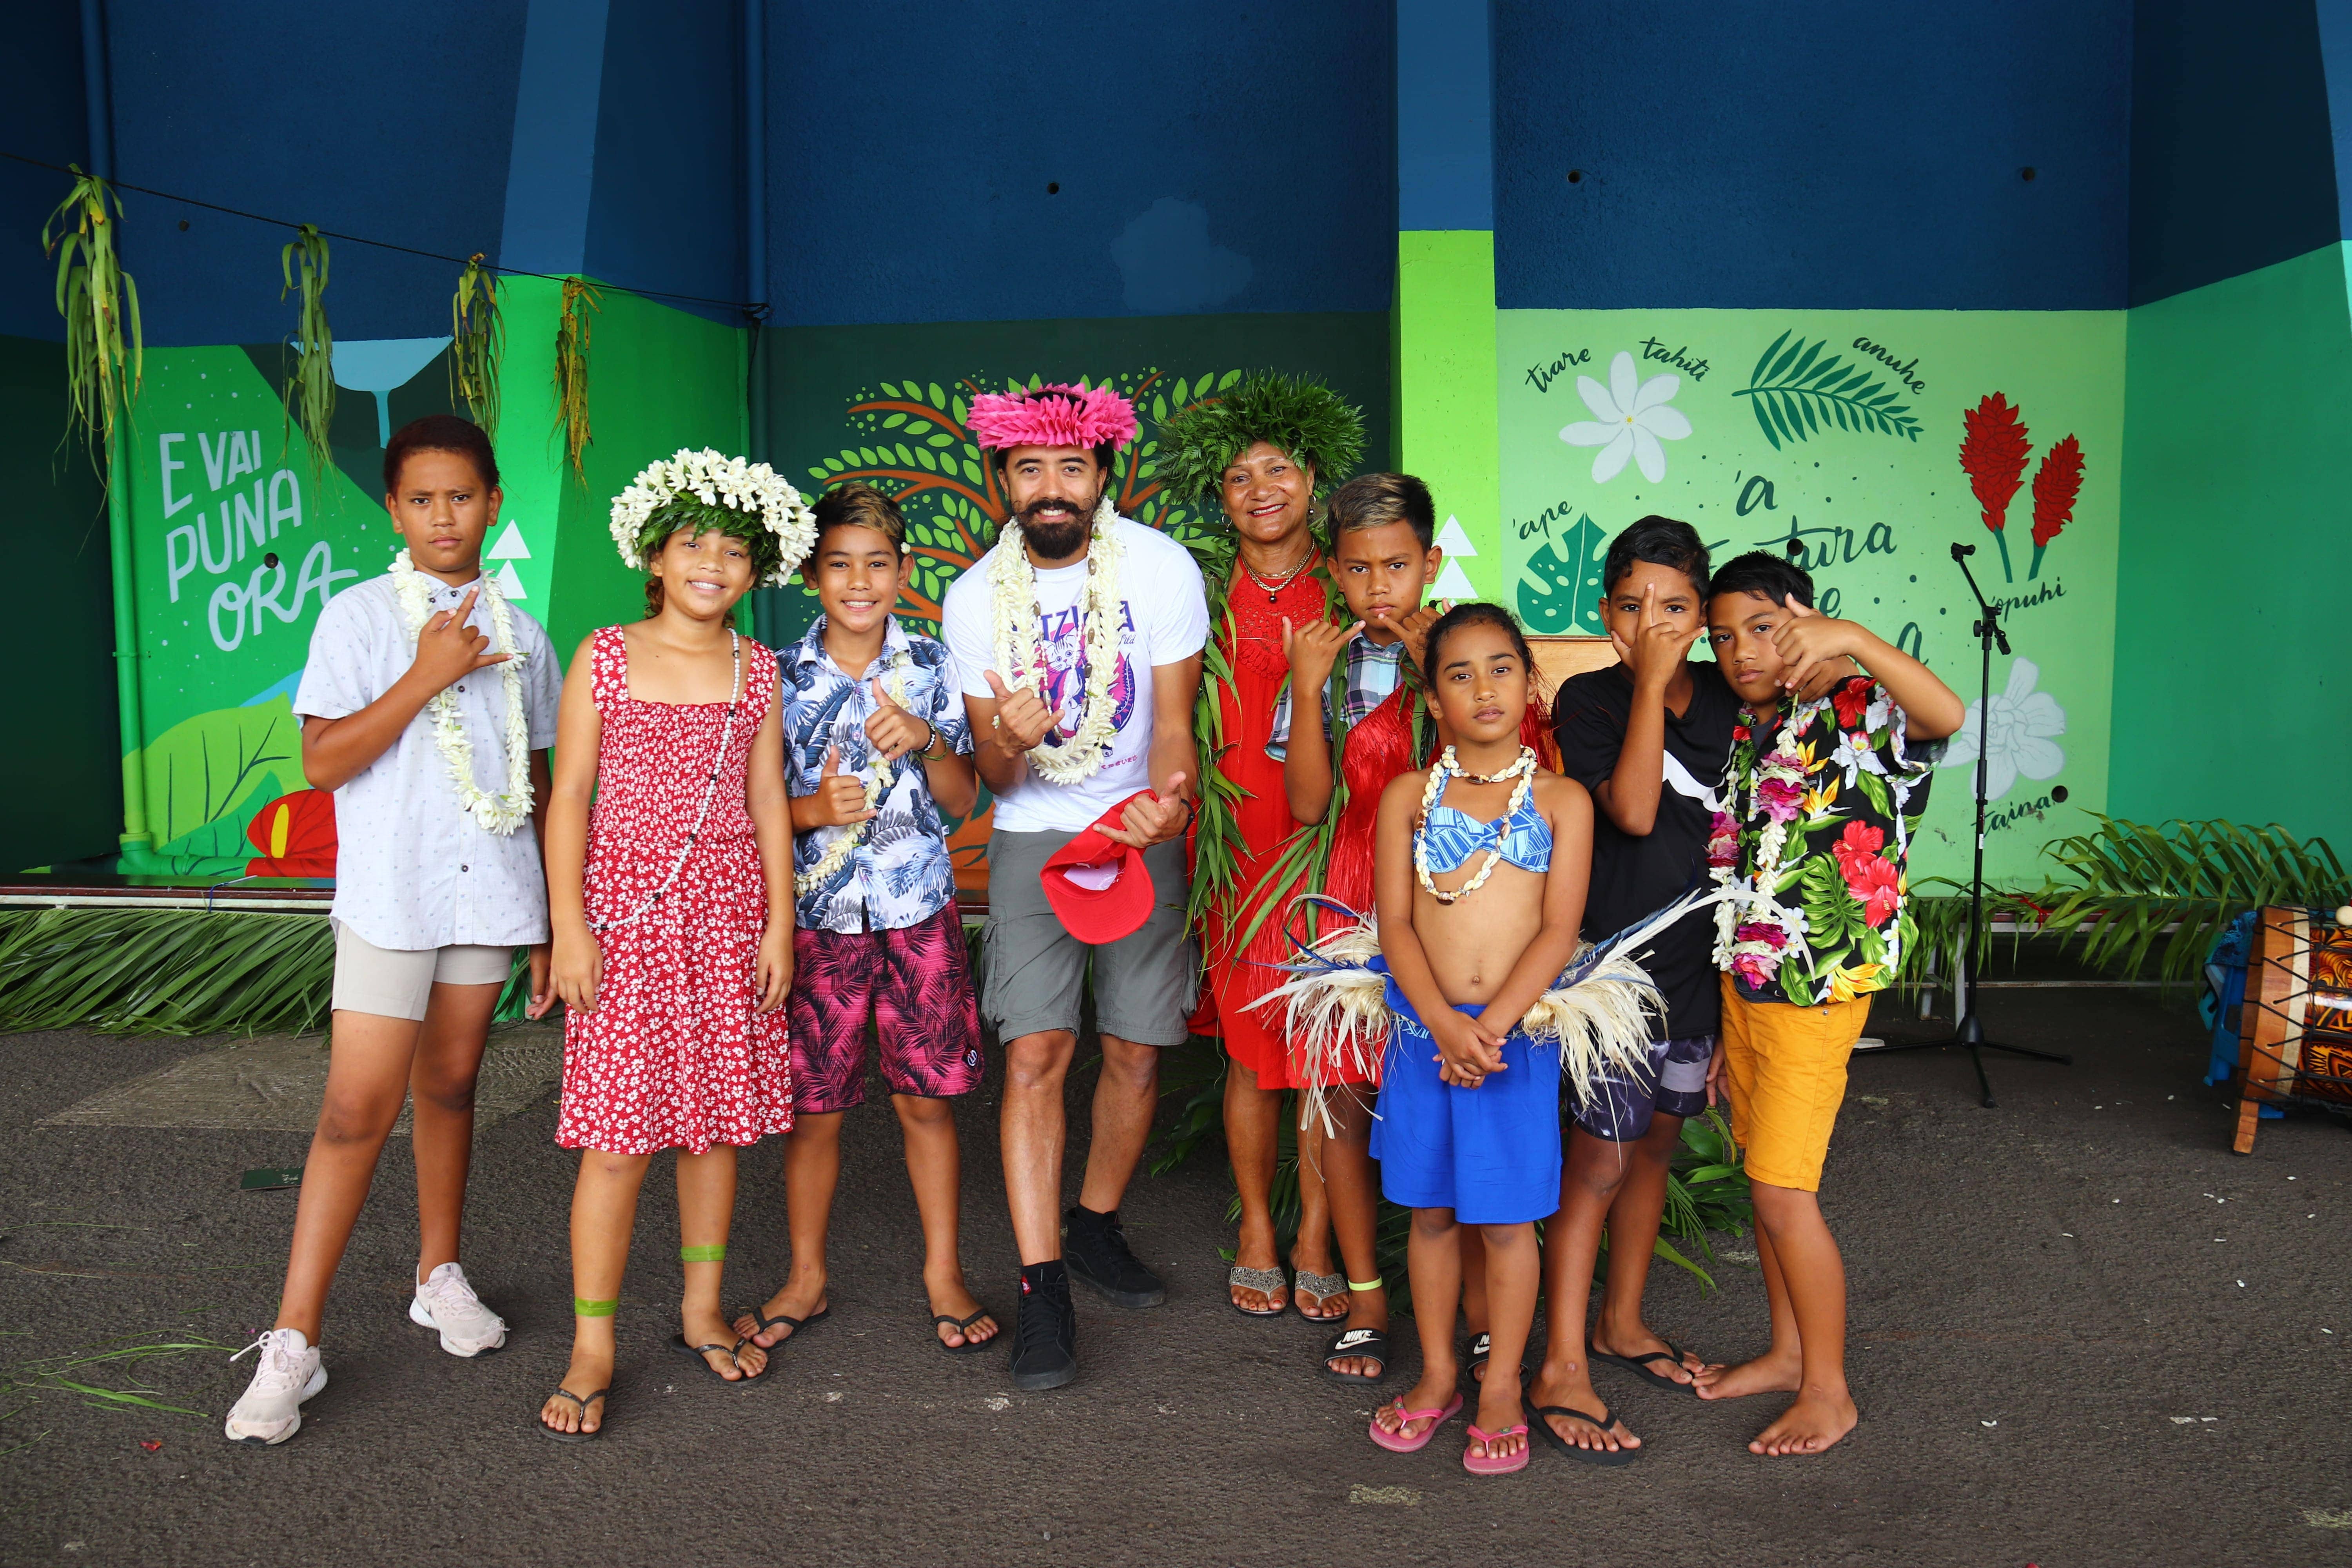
(1053, 416)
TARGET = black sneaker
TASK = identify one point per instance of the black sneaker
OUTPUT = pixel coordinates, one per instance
(1094, 1246)
(1044, 1336)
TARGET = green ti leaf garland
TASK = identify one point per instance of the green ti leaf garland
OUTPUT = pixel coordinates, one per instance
(571, 325)
(478, 341)
(310, 390)
(105, 349)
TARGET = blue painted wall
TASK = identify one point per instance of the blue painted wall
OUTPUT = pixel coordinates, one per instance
(1211, 155)
(1818, 153)
(2232, 162)
(41, 116)
(376, 120)
(668, 207)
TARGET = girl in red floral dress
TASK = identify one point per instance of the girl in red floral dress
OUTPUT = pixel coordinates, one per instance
(672, 902)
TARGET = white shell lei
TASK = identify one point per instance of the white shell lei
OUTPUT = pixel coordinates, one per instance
(509, 808)
(716, 479)
(1012, 582)
(1523, 770)
(877, 784)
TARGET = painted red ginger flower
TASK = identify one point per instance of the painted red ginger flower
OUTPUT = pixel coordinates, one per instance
(1993, 453)
(2056, 483)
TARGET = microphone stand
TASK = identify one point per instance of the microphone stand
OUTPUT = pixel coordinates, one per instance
(1971, 1032)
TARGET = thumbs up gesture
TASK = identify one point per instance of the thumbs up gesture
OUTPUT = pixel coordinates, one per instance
(1152, 818)
(892, 730)
(1022, 716)
(839, 798)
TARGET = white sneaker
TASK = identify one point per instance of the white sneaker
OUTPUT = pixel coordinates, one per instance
(289, 1373)
(445, 1301)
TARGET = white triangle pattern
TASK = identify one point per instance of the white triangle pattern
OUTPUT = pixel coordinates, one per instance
(510, 546)
(1455, 539)
(1452, 582)
(510, 581)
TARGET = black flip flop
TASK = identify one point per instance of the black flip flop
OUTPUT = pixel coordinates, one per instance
(960, 1325)
(1371, 1343)
(795, 1324)
(1601, 1423)
(678, 1342)
(1639, 1366)
(1480, 1352)
(581, 1436)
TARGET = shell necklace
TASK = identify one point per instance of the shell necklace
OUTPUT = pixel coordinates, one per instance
(709, 794)
(878, 784)
(1523, 770)
(1273, 583)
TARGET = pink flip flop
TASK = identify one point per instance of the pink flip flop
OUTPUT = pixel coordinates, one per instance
(1505, 1465)
(1398, 1443)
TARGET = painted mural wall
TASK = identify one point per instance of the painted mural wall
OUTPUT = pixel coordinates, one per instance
(1873, 441)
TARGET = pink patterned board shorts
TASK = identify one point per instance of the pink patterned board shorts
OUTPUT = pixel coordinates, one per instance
(917, 983)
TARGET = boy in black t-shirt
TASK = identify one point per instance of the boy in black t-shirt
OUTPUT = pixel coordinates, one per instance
(1649, 737)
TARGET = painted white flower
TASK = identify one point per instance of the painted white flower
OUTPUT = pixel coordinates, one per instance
(2021, 724)
(1630, 417)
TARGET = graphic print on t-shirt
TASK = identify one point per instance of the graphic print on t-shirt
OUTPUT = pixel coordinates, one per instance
(1061, 648)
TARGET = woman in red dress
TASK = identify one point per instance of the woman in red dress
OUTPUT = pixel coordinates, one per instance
(1262, 452)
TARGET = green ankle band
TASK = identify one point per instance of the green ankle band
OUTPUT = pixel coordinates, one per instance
(1375, 1284)
(703, 1254)
(585, 1309)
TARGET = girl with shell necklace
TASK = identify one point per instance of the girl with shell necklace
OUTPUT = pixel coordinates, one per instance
(1480, 869)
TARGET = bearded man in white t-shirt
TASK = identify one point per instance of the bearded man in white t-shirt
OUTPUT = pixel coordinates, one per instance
(1077, 640)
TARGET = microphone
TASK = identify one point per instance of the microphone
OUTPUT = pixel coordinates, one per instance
(1962, 552)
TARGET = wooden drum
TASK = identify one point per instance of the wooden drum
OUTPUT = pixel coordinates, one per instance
(2294, 1040)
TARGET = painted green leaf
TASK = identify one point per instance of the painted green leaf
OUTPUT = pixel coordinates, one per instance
(971, 471)
(894, 421)
(202, 768)
(889, 390)
(1560, 591)
(939, 398)
(923, 456)
(1795, 392)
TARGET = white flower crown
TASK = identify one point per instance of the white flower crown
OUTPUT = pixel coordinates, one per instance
(714, 478)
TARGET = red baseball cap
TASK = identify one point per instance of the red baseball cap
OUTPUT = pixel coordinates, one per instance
(1100, 889)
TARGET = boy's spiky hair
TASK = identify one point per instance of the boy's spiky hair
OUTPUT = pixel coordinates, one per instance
(1296, 414)
(1764, 574)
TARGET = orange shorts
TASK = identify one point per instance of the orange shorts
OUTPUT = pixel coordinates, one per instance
(1787, 1070)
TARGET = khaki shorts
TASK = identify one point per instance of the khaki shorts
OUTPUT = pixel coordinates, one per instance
(1036, 970)
(396, 983)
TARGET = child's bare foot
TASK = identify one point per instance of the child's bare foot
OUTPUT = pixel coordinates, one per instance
(1772, 1373)
(1430, 1395)
(585, 1379)
(802, 1297)
(1559, 1387)
(1637, 1342)
(949, 1298)
(1814, 1421)
(709, 1328)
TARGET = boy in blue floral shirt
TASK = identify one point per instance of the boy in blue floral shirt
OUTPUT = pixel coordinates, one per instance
(877, 747)
(1819, 800)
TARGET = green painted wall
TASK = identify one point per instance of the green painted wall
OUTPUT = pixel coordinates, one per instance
(1875, 503)
(2231, 698)
(1445, 348)
(64, 794)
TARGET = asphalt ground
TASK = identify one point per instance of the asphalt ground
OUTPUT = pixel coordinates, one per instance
(2084, 1333)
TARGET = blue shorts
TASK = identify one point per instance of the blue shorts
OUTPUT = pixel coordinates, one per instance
(1491, 1153)
(1620, 1108)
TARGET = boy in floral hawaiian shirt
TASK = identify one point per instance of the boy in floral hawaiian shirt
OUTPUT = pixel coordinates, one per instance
(1820, 799)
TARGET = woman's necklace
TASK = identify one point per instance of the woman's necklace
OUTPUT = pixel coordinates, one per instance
(709, 794)
(1523, 770)
(1273, 583)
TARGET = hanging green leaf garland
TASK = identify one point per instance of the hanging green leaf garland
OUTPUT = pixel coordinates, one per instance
(580, 296)
(105, 349)
(477, 338)
(310, 390)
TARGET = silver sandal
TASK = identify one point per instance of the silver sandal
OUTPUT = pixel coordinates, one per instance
(1322, 1286)
(1265, 1281)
